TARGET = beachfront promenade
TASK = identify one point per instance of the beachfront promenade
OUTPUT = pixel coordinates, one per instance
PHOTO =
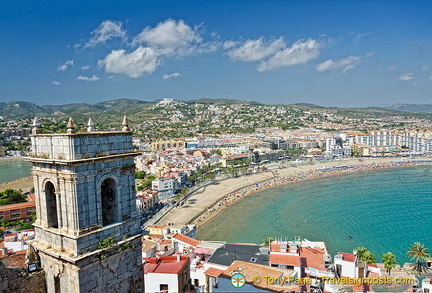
(206, 204)
(198, 202)
(216, 198)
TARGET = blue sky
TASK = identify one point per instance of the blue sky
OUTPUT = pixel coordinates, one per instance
(331, 53)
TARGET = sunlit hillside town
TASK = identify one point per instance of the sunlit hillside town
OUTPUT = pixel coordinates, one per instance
(166, 172)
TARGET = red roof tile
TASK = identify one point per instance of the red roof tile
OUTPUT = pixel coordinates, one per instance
(285, 259)
(314, 257)
(213, 272)
(348, 256)
(186, 239)
(165, 265)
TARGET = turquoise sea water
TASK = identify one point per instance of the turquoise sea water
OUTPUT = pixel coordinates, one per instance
(385, 210)
(11, 169)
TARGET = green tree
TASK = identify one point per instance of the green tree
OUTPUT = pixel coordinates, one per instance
(184, 191)
(419, 253)
(140, 175)
(389, 260)
(365, 255)
(267, 240)
(211, 175)
(369, 257)
(361, 251)
(11, 196)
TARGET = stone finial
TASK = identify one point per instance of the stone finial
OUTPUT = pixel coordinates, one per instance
(71, 126)
(90, 125)
(35, 130)
(125, 124)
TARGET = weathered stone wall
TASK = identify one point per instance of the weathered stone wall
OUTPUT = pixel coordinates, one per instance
(82, 244)
(80, 146)
(85, 193)
(12, 281)
(78, 192)
(120, 272)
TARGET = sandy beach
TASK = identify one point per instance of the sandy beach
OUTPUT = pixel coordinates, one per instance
(25, 184)
(215, 198)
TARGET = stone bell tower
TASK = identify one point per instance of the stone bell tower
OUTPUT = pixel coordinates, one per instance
(87, 227)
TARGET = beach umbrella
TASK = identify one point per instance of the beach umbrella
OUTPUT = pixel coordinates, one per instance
(201, 250)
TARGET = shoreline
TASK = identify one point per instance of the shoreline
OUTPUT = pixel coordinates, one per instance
(25, 184)
(230, 199)
(10, 158)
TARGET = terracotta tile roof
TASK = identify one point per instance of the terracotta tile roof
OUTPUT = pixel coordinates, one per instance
(250, 270)
(348, 256)
(284, 259)
(314, 257)
(213, 272)
(164, 241)
(186, 239)
(165, 265)
(274, 247)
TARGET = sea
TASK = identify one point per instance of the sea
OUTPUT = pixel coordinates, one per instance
(12, 169)
(383, 210)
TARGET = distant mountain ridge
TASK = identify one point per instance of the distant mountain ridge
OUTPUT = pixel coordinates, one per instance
(412, 108)
(113, 109)
(21, 109)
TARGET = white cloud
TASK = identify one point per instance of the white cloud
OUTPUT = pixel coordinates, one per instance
(346, 64)
(229, 44)
(174, 38)
(360, 36)
(299, 53)
(85, 67)
(134, 64)
(172, 75)
(93, 78)
(430, 77)
(107, 30)
(391, 68)
(425, 68)
(55, 82)
(66, 65)
(406, 76)
(255, 50)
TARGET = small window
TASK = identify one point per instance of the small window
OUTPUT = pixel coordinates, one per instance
(163, 287)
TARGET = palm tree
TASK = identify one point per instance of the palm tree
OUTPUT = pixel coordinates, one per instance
(369, 258)
(365, 255)
(267, 240)
(419, 253)
(389, 260)
(360, 252)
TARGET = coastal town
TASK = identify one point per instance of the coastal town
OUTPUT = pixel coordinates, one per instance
(184, 183)
(185, 146)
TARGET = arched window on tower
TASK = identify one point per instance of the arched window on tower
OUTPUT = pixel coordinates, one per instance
(108, 195)
(51, 205)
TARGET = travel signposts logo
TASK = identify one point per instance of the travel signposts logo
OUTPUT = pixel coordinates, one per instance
(238, 280)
